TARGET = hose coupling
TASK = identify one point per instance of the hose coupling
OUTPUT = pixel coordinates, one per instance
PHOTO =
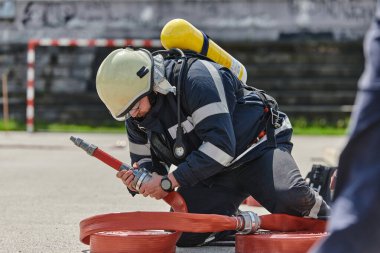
(248, 222)
(142, 175)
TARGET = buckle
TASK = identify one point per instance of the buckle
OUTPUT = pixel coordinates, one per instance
(275, 118)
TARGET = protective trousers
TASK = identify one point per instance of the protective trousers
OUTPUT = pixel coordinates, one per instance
(273, 179)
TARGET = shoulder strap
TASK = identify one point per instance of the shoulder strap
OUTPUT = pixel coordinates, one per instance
(178, 65)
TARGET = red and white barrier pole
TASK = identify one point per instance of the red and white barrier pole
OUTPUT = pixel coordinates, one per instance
(30, 85)
(33, 43)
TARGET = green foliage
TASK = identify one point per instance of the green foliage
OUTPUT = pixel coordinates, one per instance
(12, 125)
(117, 127)
(301, 126)
(113, 127)
(56, 127)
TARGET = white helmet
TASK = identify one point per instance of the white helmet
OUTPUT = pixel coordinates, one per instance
(123, 78)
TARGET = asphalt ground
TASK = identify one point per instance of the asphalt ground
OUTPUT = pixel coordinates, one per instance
(48, 185)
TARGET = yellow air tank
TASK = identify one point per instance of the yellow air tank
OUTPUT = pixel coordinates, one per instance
(178, 33)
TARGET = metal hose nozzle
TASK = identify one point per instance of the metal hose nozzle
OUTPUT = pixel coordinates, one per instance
(89, 148)
(142, 175)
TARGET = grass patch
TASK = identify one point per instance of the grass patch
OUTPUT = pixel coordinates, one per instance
(12, 125)
(81, 128)
(117, 127)
(301, 126)
(319, 131)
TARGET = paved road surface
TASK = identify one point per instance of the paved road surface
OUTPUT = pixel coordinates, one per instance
(47, 186)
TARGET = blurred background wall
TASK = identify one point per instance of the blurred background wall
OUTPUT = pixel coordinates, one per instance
(306, 53)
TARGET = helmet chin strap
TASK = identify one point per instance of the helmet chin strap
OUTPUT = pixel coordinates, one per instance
(160, 83)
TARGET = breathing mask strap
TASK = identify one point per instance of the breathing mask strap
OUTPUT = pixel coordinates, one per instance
(161, 85)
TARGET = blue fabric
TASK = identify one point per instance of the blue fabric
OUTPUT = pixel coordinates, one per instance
(231, 131)
(355, 218)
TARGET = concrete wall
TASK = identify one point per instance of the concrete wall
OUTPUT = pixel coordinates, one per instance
(223, 20)
(307, 53)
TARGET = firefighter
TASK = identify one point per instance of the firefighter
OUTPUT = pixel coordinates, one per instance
(355, 218)
(227, 140)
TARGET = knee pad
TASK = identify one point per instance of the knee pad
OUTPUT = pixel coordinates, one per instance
(296, 201)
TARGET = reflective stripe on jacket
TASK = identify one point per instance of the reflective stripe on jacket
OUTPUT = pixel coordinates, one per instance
(220, 123)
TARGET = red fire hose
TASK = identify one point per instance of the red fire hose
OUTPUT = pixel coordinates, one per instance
(132, 232)
(138, 232)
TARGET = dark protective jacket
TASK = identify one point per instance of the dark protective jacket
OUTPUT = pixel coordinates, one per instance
(221, 120)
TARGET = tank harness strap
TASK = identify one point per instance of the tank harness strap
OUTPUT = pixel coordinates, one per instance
(189, 62)
(176, 73)
(162, 148)
(205, 44)
(177, 68)
(271, 118)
